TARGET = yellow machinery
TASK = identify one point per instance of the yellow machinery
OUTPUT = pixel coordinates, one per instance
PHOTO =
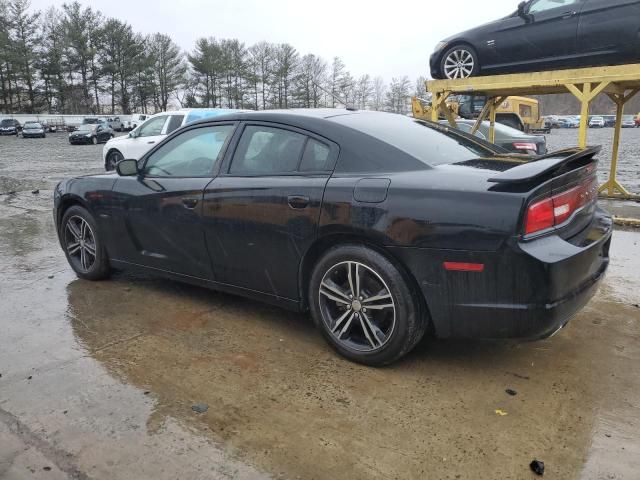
(620, 83)
(522, 113)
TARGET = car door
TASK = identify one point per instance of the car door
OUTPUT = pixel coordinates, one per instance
(142, 139)
(610, 28)
(546, 32)
(261, 212)
(158, 213)
(102, 133)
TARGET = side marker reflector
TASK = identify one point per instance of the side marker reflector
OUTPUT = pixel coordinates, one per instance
(464, 267)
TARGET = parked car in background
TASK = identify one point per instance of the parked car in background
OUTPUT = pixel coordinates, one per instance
(155, 128)
(91, 133)
(596, 122)
(628, 121)
(543, 35)
(135, 121)
(115, 123)
(609, 120)
(511, 139)
(638, 120)
(568, 122)
(10, 126)
(383, 226)
(92, 120)
(33, 130)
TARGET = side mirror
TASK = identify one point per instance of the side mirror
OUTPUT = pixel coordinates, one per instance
(127, 168)
(521, 9)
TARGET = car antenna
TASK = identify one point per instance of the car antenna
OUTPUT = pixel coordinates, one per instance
(348, 107)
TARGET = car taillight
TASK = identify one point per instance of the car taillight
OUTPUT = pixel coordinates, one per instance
(556, 209)
(525, 146)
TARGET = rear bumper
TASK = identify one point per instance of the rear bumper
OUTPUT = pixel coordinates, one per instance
(526, 291)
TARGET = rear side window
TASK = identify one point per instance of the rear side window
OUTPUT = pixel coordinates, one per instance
(316, 157)
(174, 123)
(267, 151)
(421, 140)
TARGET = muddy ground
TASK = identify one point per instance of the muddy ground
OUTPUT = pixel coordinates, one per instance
(98, 379)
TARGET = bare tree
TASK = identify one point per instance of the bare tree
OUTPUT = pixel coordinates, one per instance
(379, 94)
(398, 96)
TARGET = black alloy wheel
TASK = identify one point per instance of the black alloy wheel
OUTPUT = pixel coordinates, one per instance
(83, 248)
(365, 306)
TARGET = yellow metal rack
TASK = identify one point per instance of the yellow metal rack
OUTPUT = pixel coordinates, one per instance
(620, 83)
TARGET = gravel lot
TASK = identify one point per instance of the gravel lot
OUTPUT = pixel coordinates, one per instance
(629, 155)
(98, 380)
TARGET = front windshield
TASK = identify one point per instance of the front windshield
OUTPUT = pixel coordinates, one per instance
(85, 128)
(6, 123)
(32, 125)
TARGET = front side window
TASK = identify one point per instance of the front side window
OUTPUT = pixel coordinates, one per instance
(190, 154)
(544, 5)
(153, 127)
(267, 151)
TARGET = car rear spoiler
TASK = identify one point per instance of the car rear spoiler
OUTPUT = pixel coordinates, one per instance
(544, 164)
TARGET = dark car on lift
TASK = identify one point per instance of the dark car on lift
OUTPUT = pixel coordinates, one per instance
(543, 35)
(383, 226)
(91, 133)
(10, 126)
(511, 139)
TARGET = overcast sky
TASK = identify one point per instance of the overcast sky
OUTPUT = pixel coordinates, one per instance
(390, 38)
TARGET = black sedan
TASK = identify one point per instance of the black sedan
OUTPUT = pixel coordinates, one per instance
(382, 226)
(543, 35)
(33, 130)
(511, 139)
(10, 126)
(91, 133)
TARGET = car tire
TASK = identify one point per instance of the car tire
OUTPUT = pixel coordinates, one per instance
(113, 157)
(94, 140)
(459, 61)
(82, 245)
(384, 320)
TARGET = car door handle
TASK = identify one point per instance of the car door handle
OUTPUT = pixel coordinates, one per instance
(190, 202)
(569, 14)
(152, 141)
(298, 201)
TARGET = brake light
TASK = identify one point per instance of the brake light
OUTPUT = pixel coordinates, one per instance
(525, 146)
(558, 208)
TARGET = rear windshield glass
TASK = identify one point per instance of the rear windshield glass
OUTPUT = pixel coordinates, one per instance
(415, 137)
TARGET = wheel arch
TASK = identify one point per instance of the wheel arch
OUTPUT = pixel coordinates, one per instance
(331, 240)
(66, 202)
